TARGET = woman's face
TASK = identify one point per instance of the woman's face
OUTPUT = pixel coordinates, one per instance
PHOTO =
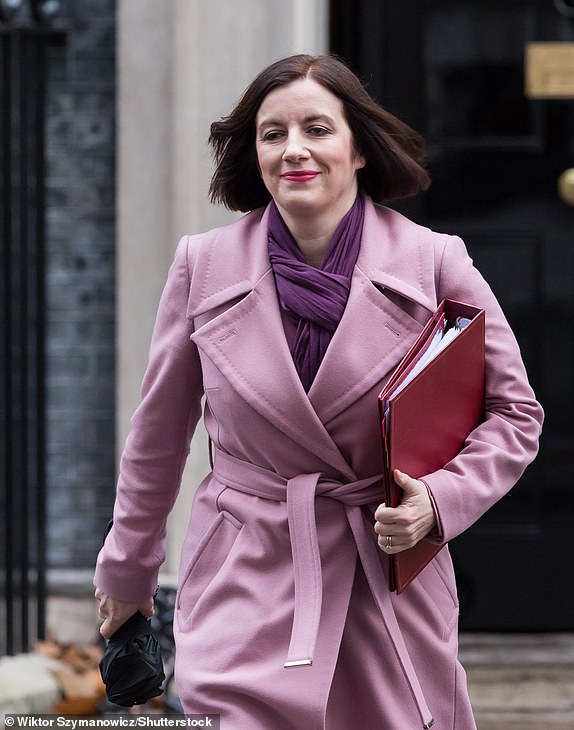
(306, 152)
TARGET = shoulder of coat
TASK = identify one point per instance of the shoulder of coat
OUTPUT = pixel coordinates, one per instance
(404, 229)
(227, 234)
(226, 261)
(402, 255)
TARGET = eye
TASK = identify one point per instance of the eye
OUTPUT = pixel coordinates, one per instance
(318, 131)
(271, 136)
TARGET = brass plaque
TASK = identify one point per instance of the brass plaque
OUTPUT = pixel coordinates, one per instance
(549, 70)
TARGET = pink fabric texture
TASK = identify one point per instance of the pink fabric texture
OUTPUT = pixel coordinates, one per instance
(253, 591)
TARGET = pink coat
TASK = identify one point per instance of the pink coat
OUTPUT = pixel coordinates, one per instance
(280, 564)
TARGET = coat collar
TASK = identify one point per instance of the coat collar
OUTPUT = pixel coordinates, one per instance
(231, 273)
(375, 332)
(396, 254)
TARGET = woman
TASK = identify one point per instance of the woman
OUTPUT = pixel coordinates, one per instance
(289, 321)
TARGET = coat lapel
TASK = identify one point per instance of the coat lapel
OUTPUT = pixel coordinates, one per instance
(375, 332)
(247, 344)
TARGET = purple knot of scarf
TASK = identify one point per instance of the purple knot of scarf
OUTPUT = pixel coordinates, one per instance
(316, 298)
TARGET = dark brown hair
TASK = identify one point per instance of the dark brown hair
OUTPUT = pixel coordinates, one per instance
(394, 152)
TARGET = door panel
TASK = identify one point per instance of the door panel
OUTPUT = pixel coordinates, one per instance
(455, 71)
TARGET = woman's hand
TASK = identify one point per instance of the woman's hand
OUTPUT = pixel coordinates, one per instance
(402, 527)
(115, 613)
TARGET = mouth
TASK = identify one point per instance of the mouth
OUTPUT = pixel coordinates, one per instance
(299, 176)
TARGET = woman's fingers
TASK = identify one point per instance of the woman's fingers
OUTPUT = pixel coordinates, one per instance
(115, 613)
(400, 528)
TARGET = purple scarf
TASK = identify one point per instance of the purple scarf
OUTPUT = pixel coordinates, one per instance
(315, 298)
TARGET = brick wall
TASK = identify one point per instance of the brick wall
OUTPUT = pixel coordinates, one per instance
(81, 283)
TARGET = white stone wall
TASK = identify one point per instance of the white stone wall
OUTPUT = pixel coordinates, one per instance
(182, 64)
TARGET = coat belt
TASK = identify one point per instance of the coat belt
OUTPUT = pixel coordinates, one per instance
(299, 493)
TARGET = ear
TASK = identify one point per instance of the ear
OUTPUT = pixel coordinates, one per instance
(359, 160)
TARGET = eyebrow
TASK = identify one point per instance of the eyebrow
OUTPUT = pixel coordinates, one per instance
(306, 120)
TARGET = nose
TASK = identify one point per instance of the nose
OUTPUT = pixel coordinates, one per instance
(295, 148)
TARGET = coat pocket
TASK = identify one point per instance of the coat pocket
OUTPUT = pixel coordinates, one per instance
(207, 561)
(445, 598)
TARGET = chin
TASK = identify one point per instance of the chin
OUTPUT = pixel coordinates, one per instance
(299, 204)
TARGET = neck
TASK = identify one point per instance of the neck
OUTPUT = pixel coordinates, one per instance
(313, 233)
(313, 240)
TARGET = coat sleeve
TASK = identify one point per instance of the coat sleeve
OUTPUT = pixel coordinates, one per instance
(498, 451)
(156, 449)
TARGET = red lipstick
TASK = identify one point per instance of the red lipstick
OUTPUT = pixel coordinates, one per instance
(299, 175)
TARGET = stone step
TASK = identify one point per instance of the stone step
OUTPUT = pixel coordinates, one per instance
(520, 681)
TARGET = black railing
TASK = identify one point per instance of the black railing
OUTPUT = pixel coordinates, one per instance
(24, 36)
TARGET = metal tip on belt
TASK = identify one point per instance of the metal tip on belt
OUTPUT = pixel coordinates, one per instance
(428, 725)
(298, 663)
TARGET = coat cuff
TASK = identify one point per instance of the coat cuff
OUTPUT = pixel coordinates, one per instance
(437, 533)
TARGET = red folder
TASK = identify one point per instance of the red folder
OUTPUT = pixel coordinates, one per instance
(425, 425)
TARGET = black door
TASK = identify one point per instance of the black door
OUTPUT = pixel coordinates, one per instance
(456, 72)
